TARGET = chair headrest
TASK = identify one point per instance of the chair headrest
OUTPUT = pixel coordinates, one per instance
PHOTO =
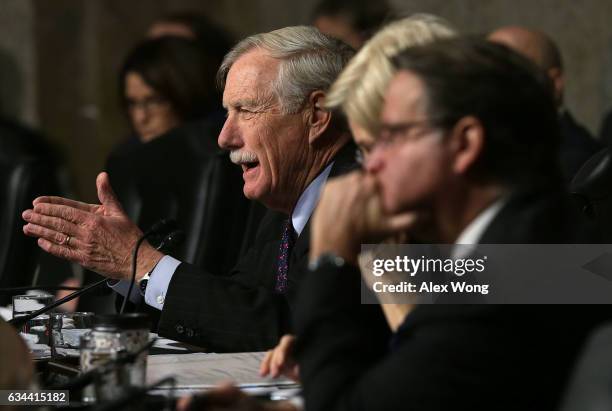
(594, 179)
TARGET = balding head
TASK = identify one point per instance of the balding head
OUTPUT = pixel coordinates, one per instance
(537, 47)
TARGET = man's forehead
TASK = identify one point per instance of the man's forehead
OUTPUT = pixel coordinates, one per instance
(405, 97)
(250, 78)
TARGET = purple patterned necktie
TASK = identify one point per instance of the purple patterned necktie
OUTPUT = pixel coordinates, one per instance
(287, 243)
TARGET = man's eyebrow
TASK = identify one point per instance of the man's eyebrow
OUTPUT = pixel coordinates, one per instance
(252, 103)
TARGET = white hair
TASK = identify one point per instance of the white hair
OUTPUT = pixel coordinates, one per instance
(310, 61)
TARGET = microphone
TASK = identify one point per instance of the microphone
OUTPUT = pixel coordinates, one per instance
(161, 227)
(172, 240)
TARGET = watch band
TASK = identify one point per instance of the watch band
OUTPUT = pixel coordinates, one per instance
(326, 259)
(142, 284)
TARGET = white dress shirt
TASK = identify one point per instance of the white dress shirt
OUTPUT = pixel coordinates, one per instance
(472, 233)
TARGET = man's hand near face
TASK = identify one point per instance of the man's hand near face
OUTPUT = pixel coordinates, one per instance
(350, 214)
(99, 237)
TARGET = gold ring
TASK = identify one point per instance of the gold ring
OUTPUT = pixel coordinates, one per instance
(67, 241)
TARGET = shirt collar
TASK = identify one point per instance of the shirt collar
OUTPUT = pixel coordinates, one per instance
(308, 200)
(472, 233)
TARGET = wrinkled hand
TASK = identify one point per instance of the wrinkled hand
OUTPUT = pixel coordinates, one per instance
(279, 361)
(349, 214)
(99, 237)
(230, 398)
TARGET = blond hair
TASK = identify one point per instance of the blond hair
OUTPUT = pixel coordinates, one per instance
(360, 88)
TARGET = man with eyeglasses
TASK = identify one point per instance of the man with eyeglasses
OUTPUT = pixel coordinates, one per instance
(465, 150)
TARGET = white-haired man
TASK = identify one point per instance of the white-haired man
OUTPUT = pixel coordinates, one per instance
(287, 145)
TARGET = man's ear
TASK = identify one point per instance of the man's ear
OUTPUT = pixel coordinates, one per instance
(467, 144)
(317, 116)
(558, 81)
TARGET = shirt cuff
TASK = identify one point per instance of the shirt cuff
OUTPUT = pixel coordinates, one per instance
(121, 288)
(159, 281)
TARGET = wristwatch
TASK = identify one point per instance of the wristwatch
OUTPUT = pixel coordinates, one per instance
(326, 260)
(142, 284)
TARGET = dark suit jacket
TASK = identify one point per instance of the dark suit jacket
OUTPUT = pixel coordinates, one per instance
(239, 311)
(577, 145)
(446, 357)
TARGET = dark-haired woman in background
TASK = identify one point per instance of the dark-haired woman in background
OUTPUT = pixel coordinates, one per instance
(164, 83)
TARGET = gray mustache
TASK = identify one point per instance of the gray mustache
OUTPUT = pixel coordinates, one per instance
(242, 156)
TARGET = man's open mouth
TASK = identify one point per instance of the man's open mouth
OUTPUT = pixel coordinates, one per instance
(249, 166)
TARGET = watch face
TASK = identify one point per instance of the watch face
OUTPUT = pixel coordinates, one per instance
(143, 285)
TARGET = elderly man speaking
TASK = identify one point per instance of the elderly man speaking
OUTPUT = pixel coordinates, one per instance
(287, 145)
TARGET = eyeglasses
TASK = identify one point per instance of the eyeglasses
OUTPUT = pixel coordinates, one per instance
(391, 134)
(149, 104)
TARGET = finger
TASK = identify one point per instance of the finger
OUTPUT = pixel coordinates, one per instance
(58, 250)
(54, 223)
(264, 367)
(294, 373)
(106, 195)
(183, 403)
(91, 208)
(278, 361)
(56, 237)
(283, 349)
(401, 222)
(70, 214)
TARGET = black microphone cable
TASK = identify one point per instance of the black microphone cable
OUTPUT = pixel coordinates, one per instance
(162, 226)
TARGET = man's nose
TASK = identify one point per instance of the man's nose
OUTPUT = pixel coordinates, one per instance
(374, 161)
(139, 115)
(229, 137)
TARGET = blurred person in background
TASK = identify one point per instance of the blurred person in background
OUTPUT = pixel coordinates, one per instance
(352, 21)
(214, 40)
(577, 144)
(166, 82)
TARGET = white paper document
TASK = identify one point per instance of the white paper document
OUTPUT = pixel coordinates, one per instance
(203, 370)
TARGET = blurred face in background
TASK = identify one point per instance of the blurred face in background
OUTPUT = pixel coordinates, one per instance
(339, 27)
(151, 115)
(167, 28)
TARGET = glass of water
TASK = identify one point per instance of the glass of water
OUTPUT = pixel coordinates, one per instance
(67, 331)
(37, 331)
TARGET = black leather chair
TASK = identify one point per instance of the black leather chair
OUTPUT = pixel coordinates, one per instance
(590, 387)
(592, 189)
(184, 176)
(26, 171)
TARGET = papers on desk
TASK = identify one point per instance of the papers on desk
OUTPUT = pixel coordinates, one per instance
(202, 371)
